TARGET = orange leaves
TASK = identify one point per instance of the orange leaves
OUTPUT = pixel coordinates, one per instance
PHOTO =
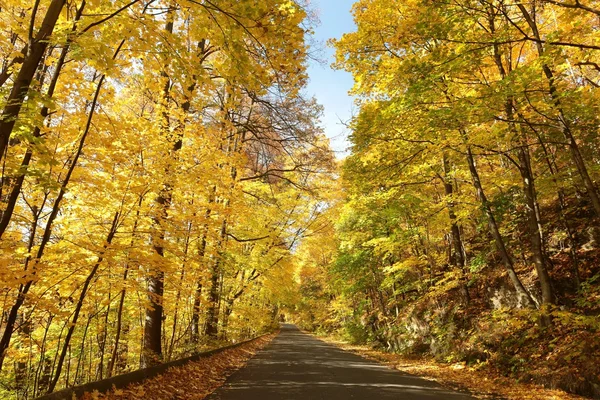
(193, 381)
(484, 383)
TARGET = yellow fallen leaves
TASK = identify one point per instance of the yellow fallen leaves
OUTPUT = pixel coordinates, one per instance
(483, 384)
(193, 381)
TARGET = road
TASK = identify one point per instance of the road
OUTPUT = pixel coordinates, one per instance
(297, 366)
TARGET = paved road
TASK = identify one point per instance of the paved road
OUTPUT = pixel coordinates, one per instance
(297, 366)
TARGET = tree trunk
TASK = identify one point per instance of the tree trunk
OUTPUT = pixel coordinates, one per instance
(45, 376)
(212, 312)
(21, 366)
(24, 289)
(532, 210)
(152, 351)
(102, 339)
(122, 354)
(227, 310)
(13, 196)
(43, 361)
(115, 352)
(113, 357)
(552, 167)
(84, 289)
(522, 293)
(457, 258)
(564, 124)
(195, 334)
(533, 224)
(31, 61)
(178, 296)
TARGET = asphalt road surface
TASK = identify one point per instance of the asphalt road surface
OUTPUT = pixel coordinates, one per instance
(297, 366)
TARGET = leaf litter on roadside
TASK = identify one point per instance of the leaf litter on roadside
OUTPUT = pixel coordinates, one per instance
(193, 381)
(481, 382)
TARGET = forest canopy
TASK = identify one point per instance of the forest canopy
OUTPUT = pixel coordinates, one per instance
(166, 185)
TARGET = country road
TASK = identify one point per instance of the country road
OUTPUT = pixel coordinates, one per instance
(297, 366)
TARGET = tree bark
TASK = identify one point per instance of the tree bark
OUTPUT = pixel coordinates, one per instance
(553, 168)
(212, 313)
(195, 334)
(533, 225)
(195, 328)
(458, 258)
(31, 61)
(522, 293)
(227, 310)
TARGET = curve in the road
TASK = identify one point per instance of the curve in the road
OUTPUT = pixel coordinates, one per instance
(297, 366)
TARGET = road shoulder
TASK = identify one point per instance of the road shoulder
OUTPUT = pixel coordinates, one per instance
(475, 380)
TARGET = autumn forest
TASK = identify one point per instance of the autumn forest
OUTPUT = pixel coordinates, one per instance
(167, 185)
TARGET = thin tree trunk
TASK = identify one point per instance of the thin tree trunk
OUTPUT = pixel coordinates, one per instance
(78, 379)
(534, 232)
(195, 335)
(43, 360)
(152, 351)
(522, 293)
(227, 310)
(195, 328)
(457, 258)
(31, 61)
(13, 196)
(24, 289)
(214, 295)
(532, 210)
(84, 289)
(114, 355)
(46, 374)
(178, 296)
(552, 167)
(21, 366)
(212, 313)
(104, 338)
(564, 123)
(123, 353)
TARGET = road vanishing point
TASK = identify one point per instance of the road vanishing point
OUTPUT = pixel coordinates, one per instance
(297, 366)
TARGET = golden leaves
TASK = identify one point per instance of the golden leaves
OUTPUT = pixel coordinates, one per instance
(483, 383)
(193, 381)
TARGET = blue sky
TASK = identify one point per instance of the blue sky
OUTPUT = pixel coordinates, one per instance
(329, 86)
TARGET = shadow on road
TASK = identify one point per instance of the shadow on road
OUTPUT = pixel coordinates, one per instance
(298, 366)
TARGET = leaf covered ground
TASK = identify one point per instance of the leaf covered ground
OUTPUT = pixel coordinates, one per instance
(482, 383)
(193, 381)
